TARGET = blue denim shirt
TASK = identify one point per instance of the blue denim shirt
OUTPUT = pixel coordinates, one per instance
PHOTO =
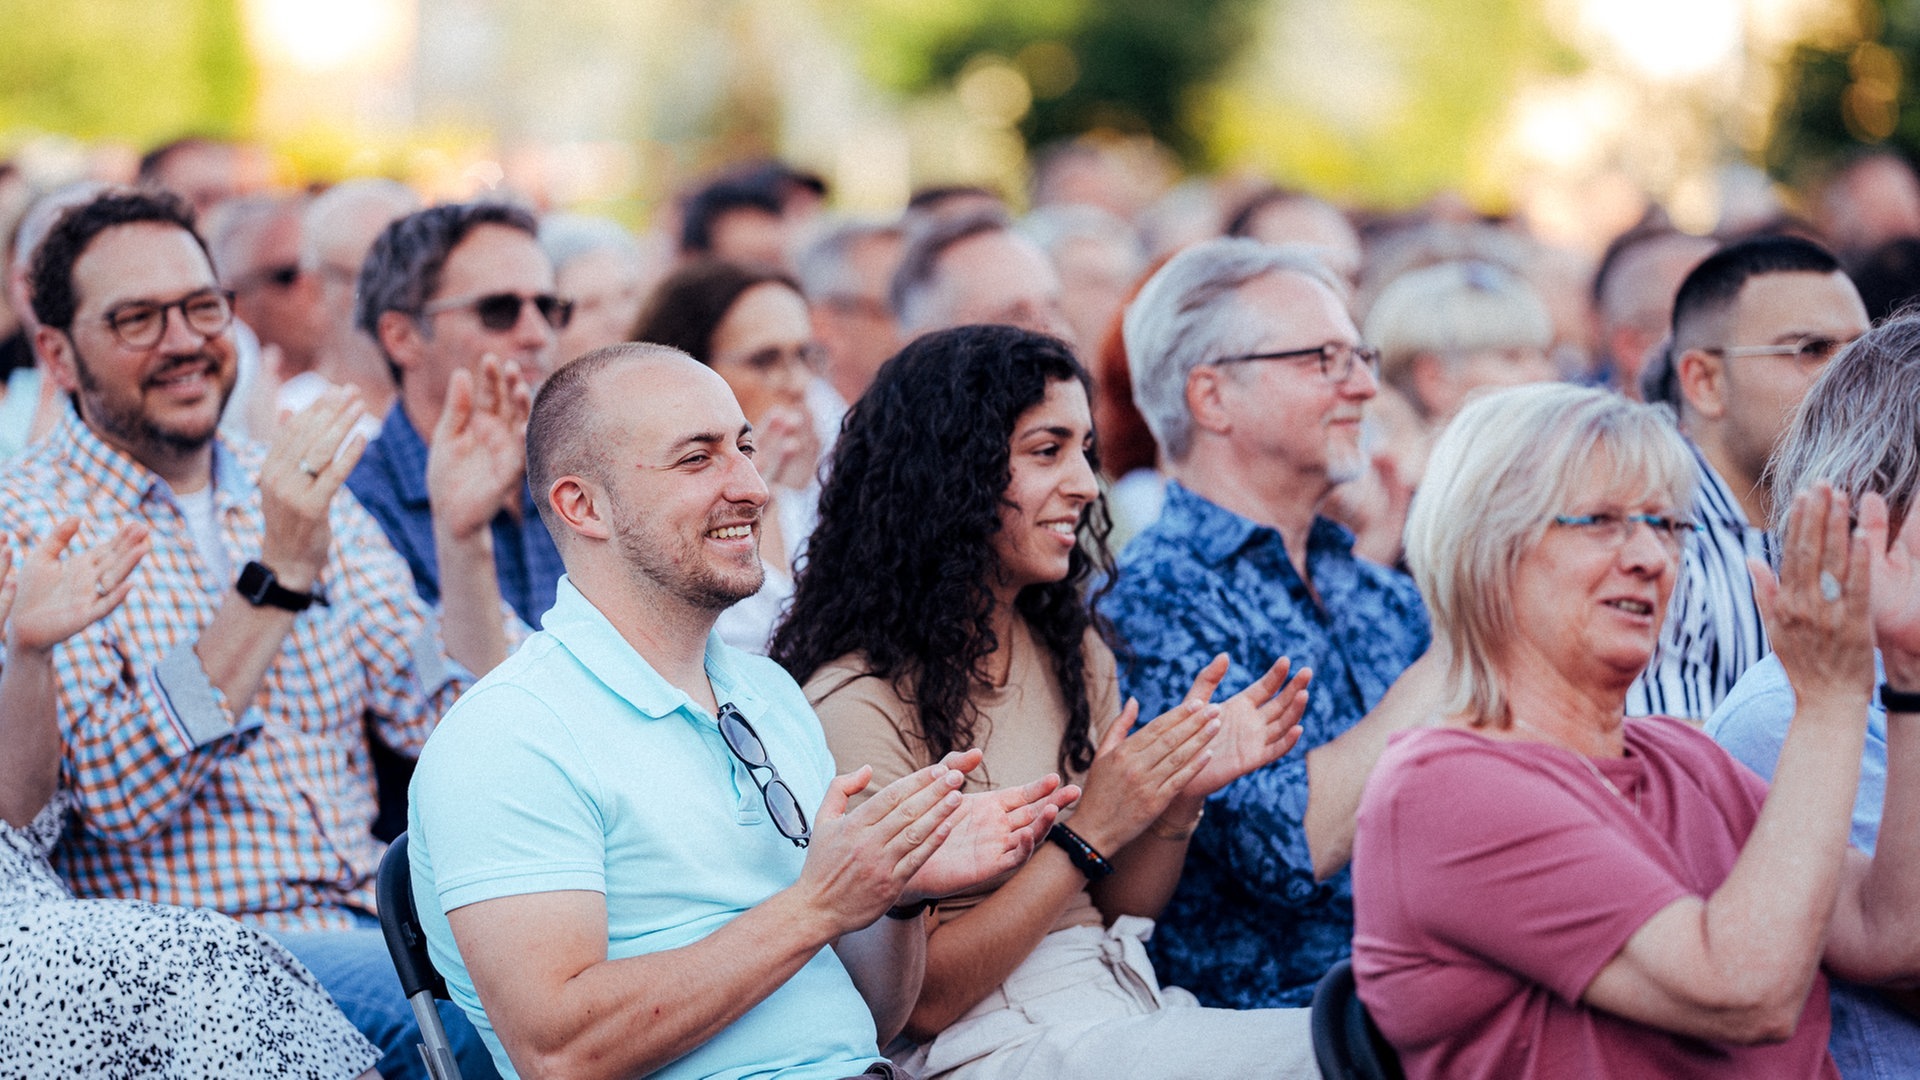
(1249, 927)
(391, 482)
(1872, 1039)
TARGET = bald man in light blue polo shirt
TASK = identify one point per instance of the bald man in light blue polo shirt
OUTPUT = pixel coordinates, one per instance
(629, 847)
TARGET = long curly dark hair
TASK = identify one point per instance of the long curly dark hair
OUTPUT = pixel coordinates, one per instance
(899, 568)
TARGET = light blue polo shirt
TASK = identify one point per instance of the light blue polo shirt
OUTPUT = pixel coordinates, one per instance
(575, 766)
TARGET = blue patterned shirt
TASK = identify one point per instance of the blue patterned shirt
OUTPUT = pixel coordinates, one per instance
(1249, 927)
(391, 482)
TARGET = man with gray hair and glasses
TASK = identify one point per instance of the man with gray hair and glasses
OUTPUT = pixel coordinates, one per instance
(1252, 377)
(1859, 430)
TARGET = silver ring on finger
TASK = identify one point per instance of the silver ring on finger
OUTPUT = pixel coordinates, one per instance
(307, 467)
(1829, 587)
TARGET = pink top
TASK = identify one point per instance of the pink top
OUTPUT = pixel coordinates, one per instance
(1493, 880)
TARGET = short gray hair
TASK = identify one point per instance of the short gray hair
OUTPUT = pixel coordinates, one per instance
(1449, 309)
(233, 229)
(1503, 468)
(824, 264)
(911, 293)
(1189, 314)
(566, 237)
(44, 211)
(1858, 428)
(345, 199)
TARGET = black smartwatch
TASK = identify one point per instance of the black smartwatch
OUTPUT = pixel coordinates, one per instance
(261, 589)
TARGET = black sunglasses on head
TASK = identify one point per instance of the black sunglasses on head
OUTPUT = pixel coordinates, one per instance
(782, 807)
(500, 312)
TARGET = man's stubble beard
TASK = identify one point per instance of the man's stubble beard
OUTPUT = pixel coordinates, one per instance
(131, 427)
(693, 583)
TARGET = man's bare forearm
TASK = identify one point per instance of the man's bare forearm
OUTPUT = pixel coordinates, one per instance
(239, 645)
(1337, 771)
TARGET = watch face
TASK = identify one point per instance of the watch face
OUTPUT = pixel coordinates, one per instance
(254, 582)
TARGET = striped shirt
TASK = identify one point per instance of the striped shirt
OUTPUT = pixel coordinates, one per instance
(258, 809)
(1713, 632)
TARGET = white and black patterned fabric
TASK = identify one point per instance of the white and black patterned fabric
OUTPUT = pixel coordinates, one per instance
(124, 988)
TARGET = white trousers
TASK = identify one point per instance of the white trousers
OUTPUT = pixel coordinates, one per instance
(1086, 1003)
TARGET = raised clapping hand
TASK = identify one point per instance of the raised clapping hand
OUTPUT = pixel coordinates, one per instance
(788, 448)
(1817, 611)
(304, 468)
(1135, 777)
(1257, 725)
(478, 461)
(47, 599)
(993, 833)
(1895, 567)
(860, 861)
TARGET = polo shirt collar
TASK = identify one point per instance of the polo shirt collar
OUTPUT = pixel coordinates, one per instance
(585, 632)
(126, 482)
(407, 452)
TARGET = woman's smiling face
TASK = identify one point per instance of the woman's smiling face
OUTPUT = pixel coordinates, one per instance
(1051, 485)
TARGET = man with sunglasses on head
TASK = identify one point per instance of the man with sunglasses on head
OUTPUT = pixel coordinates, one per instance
(459, 288)
(1254, 381)
(216, 725)
(1753, 326)
(630, 852)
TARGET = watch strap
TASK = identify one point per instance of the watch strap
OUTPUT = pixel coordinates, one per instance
(1899, 701)
(258, 585)
(1084, 857)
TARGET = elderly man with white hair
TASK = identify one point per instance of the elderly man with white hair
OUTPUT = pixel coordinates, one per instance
(1252, 376)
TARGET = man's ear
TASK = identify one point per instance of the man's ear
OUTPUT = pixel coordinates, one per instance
(1702, 377)
(401, 338)
(58, 355)
(582, 506)
(1208, 387)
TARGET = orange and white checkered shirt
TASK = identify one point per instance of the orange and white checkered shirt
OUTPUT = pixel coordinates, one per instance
(259, 809)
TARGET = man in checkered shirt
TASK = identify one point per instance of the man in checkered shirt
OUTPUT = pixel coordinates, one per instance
(215, 725)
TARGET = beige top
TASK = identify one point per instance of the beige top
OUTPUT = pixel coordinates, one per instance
(1020, 729)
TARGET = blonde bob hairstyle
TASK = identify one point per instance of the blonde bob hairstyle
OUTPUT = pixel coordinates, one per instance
(1451, 310)
(1503, 468)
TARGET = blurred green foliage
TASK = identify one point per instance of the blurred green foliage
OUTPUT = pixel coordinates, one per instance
(1121, 65)
(1851, 91)
(138, 70)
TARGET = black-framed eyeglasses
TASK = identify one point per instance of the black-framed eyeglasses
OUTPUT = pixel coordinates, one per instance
(782, 807)
(140, 324)
(1336, 359)
(500, 312)
(1809, 352)
(1615, 529)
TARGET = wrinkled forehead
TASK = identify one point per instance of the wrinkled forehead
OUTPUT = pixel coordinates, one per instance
(1290, 309)
(494, 259)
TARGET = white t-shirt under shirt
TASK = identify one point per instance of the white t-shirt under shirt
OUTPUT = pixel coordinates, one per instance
(204, 527)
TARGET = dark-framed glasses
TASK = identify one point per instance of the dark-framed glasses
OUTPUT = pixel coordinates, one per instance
(500, 312)
(1811, 352)
(782, 807)
(1615, 529)
(1336, 359)
(140, 324)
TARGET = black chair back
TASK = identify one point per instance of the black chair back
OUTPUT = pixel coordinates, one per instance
(1345, 1041)
(401, 924)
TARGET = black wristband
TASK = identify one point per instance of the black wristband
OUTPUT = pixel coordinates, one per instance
(1899, 701)
(904, 912)
(1085, 859)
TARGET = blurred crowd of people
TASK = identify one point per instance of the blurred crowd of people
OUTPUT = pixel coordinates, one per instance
(1126, 608)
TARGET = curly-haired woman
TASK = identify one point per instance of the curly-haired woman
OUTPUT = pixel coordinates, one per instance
(942, 605)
